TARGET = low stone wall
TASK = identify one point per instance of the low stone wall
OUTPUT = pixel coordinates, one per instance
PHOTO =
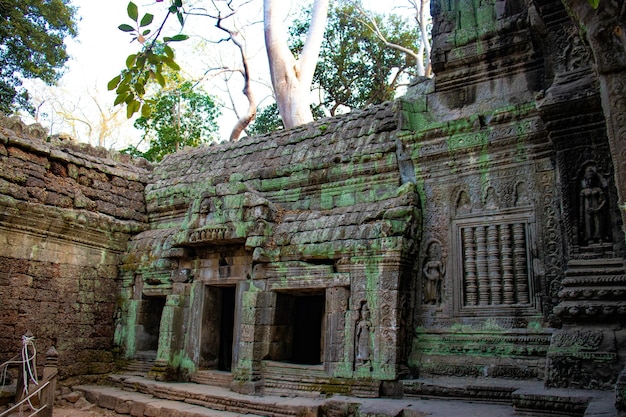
(67, 211)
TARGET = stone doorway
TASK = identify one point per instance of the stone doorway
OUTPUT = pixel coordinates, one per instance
(299, 328)
(149, 323)
(216, 342)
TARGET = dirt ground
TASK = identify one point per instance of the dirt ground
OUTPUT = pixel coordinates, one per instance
(88, 411)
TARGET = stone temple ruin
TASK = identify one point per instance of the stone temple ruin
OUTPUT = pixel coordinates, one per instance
(472, 228)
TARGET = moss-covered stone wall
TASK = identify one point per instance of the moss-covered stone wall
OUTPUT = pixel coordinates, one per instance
(67, 213)
(321, 209)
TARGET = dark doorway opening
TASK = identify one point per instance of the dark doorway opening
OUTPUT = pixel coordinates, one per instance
(298, 329)
(307, 330)
(149, 323)
(216, 343)
(227, 323)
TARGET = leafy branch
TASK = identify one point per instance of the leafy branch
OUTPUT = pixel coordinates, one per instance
(146, 66)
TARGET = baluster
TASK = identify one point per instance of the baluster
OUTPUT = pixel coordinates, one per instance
(481, 266)
(469, 266)
(521, 271)
(495, 277)
(506, 251)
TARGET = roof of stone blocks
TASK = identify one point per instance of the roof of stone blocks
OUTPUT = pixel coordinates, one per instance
(62, 173)
(333, 185)
(35, 138)
(262, 162)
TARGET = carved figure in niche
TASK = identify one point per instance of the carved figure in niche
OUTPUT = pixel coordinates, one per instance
(223, 267)
(362, 337)
(205, 206)
(521, 194)
(463, 205)
(594, 217)
(576, 55)
(491, 200)
(205, 209)
(210, 207)
(218, 207)
(434, 270)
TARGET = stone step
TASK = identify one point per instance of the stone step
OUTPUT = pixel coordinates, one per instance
(525, 396)
(551, 402)
(138, 404)
(439, 397)
(282, 378)
(141, 364)
(138, 367)
(217, 398)
(469, 391)
(213, 377)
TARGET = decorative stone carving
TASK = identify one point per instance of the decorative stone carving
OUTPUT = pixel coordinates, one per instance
(463, 204)
(521, 194)
(580, 339)
(362, 355)
(576, 55)
(494, 264)
(490, 200)
(594, 218)
(434, 271)
(583, 358)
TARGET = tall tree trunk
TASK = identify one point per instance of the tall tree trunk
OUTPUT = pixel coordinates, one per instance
(292, 78)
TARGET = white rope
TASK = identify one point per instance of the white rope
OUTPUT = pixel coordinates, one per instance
(29, 373)
(27, 361)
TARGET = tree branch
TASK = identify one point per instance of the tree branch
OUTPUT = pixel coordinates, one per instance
(250, 114)
(313, 43)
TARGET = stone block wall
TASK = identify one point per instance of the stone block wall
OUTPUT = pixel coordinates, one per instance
(514, 163)
(67, 211)
(319, 216)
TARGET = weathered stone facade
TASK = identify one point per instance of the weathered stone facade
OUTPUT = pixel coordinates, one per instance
(294, 236)
(68, 211)
(472, 228)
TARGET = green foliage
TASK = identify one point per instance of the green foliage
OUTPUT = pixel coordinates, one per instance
(267, 120)
(183, 116)
(355, 68)
(148, 65)
(31, 39)
(594, 3)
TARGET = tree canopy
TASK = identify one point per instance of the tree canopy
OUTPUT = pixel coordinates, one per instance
(31, 46)
(363, 58)
(355, 67)
(182, 116)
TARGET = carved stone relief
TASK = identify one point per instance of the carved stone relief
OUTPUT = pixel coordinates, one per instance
(495, 264)
(362, 350)
(594, 218)
(434, 271)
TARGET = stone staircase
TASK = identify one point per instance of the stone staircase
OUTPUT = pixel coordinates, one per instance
(213, 377)
(141, 364)
(139, 397)
(525, 396)
(282, 378)
(436, 397)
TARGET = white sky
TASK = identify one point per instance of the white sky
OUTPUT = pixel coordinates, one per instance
(98, 54)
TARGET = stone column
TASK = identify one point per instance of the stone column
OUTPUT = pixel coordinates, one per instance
(605, 32)
(376, 283)
(50, 371)
(171, 337)
(585, 352)
(248, 338)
